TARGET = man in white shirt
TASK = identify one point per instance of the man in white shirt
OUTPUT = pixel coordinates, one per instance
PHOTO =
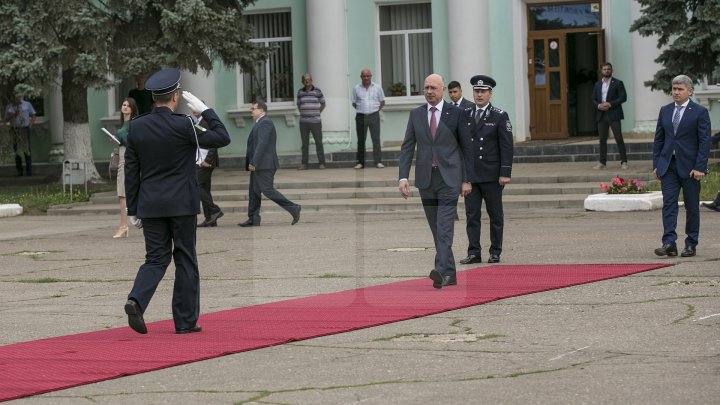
(368, 99)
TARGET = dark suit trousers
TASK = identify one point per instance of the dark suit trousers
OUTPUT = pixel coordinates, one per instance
(166, 239)
(362, 124)
(261, 182)
(491, 193)
(671, 183)
(205, 182)
(440, 205)
(316, 130)
(603, 126)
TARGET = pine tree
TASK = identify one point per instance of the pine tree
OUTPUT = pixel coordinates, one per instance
(689, 34)
(81, 44)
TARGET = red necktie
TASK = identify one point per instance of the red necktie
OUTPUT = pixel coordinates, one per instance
(433, 122)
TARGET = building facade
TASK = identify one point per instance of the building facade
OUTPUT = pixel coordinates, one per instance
(544, 55)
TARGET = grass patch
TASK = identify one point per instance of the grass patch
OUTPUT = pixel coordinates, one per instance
(710, 184)
(36, 199)
(45, 280)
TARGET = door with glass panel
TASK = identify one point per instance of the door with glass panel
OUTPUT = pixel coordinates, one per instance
(548, 87)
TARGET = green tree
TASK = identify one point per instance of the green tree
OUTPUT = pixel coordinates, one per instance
(81, 44)
(688, 34)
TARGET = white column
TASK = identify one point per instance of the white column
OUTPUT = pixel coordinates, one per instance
(327, 63)
(647, 102)
(200, 84)
(467, 41)
(57, 152)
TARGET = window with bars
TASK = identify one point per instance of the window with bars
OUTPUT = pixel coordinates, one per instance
(405, 47)
(272, 79)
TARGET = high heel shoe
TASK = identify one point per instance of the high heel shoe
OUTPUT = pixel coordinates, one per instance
(122, 232)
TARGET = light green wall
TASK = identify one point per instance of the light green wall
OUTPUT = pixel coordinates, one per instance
(97, 109)
(499, 21)
(622, 57)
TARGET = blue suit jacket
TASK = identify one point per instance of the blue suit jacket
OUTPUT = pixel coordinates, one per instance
(160, 170)
(616, 95)
(261, 145)
(691, 143)
(488, 146)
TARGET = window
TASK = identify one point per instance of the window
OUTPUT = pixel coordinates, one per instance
(405, 48)
(274, 76)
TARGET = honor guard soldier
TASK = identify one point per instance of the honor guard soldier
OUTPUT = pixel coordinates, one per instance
(163, 197)
(488, 162)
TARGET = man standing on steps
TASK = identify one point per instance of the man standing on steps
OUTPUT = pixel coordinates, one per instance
(262, 163)
(607, 97)
(456, 97)
(311, 103)
(368, 99)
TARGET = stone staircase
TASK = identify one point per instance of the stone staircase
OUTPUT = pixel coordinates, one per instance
(549, 185)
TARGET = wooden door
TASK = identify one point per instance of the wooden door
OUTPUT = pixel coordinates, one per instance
(547, 75)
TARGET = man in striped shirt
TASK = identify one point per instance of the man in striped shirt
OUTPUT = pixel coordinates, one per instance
(310, 102)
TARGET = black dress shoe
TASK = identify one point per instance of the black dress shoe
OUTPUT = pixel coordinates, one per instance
(667, 250)
(711, 206)
(249, 223)
(449, 280)
(494, 259)
(135, 318)
(194, 329)
(471, 259)
(688, 252)
(207, 224)
(214, 217)
(437, 278)
(296, 216)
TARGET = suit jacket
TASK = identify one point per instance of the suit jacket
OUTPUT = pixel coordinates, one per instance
(160, 170)
(616, 95)
(464, 104)
(691, 143)
(212, 158)
(488, 149)
(261, 145)
(446, 147)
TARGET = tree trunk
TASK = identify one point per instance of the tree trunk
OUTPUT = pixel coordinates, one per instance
(76, 132)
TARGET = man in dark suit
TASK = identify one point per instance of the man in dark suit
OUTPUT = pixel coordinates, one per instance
(680, 157)
(205, 168)
(162, 194)
(488, 158)
(607, 97)
(262, 162)
(436, 128)
(456, 97)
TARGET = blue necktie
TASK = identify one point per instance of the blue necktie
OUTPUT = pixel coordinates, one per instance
(676, 119)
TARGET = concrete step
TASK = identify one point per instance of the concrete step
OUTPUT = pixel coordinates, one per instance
(396, 203)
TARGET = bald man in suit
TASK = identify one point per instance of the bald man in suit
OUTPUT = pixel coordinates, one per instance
(435, 129)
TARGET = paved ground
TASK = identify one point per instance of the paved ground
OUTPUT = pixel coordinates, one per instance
(649, 338)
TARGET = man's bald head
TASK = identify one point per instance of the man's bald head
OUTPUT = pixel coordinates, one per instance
(434, 89)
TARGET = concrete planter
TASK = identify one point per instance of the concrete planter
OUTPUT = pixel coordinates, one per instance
(624, 202)
(10, 210)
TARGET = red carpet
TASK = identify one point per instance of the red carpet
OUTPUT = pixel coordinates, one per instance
(35, 367)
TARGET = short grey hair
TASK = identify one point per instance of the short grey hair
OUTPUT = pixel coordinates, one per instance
(682, 79)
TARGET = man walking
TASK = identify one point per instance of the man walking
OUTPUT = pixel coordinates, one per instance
(368, 99)
(436, 129)
(21, 115)
(455, 93)
(680, 157)
(207, 161)
(163, 198)
(310, 102)
(262, 162)
(488, 162)
(607, 97)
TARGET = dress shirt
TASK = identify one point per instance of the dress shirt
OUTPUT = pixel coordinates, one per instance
(368, 100)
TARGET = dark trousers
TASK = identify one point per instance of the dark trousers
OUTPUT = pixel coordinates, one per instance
(440, 204)
(205, 182)
(261, 182)
(603, 126)
(165, 239)
(362, 124)
(671, 184)
(316, 130)
(21, 146)
(491, 193)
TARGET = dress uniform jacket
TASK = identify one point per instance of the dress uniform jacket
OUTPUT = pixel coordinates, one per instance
(489, 152)
(160, 171)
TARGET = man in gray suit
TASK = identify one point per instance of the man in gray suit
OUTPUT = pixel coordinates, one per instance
(437, 129)
(262, 162)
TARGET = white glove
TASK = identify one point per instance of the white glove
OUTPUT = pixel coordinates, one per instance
(194, 103)
(135, 221)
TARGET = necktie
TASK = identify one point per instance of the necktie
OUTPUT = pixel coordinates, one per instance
(456, 104)
(433, 122)
(676, 118)
(478, 115)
